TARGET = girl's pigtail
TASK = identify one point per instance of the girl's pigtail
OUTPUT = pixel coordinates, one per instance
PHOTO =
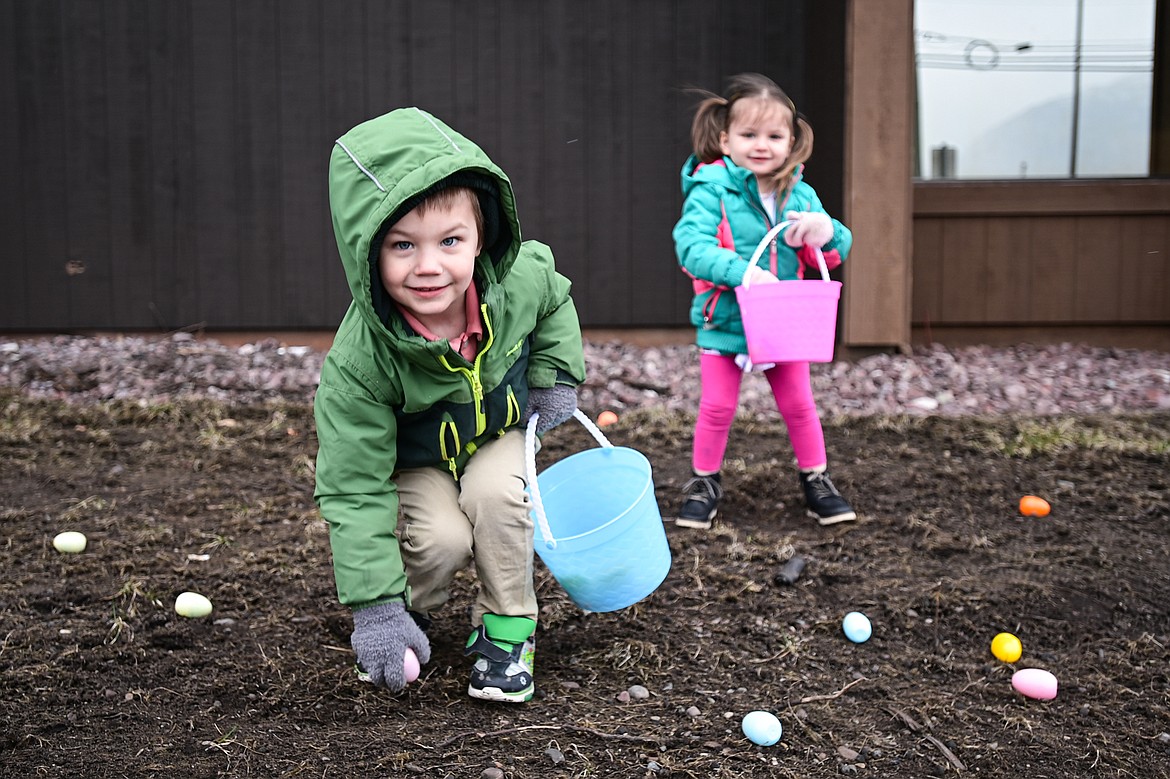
(707, 127)
(802, 147)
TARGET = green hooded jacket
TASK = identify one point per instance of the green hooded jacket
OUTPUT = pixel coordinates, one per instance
(389, 398)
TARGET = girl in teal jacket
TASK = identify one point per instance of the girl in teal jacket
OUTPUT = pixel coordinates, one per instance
(743, 178)
(457, 333)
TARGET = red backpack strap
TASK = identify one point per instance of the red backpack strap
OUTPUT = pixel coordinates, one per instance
(726, 241)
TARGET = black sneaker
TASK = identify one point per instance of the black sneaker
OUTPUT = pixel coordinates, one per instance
(825, 503)
(500, 674)
(701, 502)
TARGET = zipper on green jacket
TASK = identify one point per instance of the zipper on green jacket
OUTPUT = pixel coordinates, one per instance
(475, 380)
(513, 416)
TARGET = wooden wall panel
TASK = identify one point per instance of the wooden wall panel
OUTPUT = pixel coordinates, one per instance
(964, 272)
(1144, 269)
(1007, 283)
(14, 290)
(176, 151)
(41, 118)
(1089, 269)
(1094, 267)
(880, 71)
(130, 196)
(87, 163)
(216, 207)
(299, 140)
(928, 264)
(259, 175)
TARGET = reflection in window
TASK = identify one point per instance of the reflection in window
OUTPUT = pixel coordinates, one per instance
(1009, 88)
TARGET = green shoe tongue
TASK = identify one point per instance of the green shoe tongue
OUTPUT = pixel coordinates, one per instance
(508, 630)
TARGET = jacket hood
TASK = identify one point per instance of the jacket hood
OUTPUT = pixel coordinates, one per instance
(728, 175)
(384, 167)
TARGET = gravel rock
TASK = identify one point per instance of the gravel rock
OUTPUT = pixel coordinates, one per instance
(934, 380)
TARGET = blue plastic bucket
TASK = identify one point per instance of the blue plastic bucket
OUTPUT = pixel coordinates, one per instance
(598, 527)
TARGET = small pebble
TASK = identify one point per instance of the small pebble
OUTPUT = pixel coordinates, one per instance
(693, 711)
(790, 571)
(1164, 738)
(492, 773)
(555, 755)
(638, 692)
(623, 696)
(847, 754)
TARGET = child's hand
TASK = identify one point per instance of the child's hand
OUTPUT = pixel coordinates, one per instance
(554, 405)
(812, 228)
(758, 275)
(380, 637)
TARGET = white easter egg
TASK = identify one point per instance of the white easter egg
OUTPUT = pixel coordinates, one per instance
(69, 542)
(762, 727)
(192, 604)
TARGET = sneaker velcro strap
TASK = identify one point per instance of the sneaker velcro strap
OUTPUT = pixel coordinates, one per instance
(480, 644)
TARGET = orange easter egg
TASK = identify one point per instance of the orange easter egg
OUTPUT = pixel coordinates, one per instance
(1032, 506)
(606, 418)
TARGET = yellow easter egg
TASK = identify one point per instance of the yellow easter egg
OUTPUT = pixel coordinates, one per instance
(1006, 647)
(70, 542)
(192, 604)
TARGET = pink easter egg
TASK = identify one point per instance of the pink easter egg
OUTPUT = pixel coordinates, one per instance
(1035, 683)
(410, 667)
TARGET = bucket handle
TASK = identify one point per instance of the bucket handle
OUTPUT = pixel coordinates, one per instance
(530, 465)
(767, 240)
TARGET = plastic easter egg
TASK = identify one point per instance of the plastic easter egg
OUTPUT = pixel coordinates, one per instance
(1032, 506)
(762, 727)
(1035, 683)
(1006, 647)
(69, 542)
(410, 667)
(856, 627)
(192, 604)
(606, 418)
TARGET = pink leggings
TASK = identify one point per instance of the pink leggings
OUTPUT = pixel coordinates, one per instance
(792, 388)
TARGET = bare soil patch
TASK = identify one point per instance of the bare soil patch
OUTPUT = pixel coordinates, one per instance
(100, 678)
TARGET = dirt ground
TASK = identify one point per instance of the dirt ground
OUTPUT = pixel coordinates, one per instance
(100, 678)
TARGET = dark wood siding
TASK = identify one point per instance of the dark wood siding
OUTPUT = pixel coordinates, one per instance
(1042, 254)
(164, 162)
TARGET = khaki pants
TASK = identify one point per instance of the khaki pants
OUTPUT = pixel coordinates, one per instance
(444, 524)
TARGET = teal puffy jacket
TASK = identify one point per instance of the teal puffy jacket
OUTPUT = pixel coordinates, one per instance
(711, 191)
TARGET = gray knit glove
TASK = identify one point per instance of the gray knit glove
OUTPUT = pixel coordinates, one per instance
(554, 405)
(380, 637)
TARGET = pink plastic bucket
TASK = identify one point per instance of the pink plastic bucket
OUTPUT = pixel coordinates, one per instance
(790, 321)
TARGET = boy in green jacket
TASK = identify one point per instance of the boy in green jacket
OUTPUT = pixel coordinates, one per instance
(458, 332)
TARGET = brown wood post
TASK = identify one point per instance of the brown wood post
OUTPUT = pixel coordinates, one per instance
(878, 189)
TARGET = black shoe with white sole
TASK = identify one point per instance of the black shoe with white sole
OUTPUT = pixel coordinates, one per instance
(825, 503)
(701, 502)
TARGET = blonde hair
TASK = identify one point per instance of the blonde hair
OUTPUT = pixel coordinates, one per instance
(713, 118)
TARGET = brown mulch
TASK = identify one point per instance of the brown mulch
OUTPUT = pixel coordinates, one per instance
(100, 678)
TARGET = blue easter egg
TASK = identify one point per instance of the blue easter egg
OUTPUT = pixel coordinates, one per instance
(856, 626)
(762, 728)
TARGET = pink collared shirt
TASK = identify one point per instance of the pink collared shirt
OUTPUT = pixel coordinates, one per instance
(467, 343)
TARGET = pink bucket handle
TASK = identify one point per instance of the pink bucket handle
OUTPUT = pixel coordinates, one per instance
(530, 465)
(767, 239)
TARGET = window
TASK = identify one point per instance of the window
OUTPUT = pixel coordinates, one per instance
(1011, 89)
